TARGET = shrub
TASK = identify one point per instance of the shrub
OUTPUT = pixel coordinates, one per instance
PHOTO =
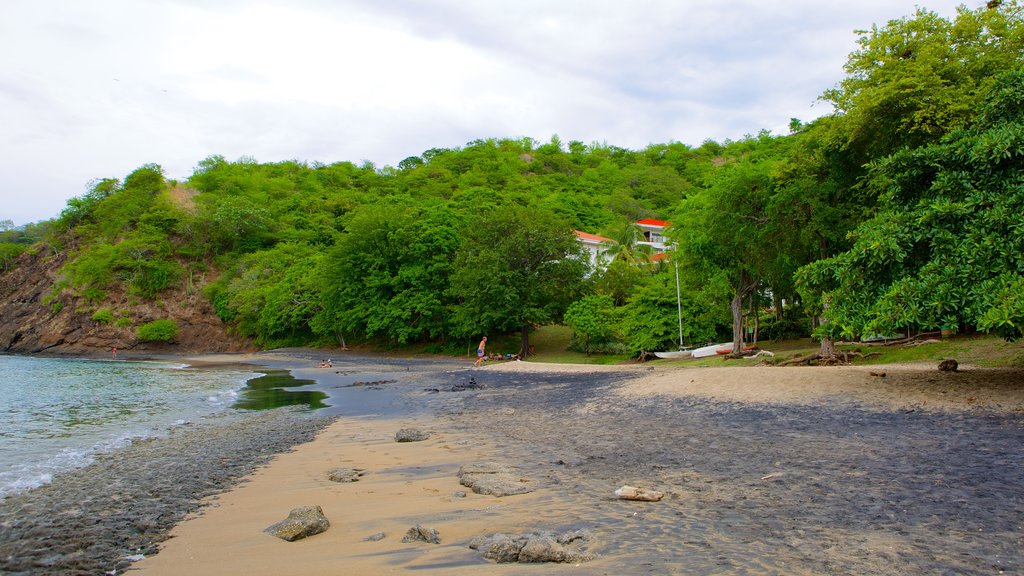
(123, 322)
(158, 331)
(103, 316)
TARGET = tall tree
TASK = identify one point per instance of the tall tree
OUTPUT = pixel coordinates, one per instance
(520, 267)
(724, 231)
(945, 247)
(917, 78)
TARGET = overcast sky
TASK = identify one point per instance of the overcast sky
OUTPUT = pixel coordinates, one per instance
(96, 89)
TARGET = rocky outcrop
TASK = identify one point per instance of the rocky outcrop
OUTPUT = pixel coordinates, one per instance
(36, 319)
(531, 548)
(493, 479)
(301, 523)
(420, 534)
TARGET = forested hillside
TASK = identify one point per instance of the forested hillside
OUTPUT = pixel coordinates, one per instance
(900, 212)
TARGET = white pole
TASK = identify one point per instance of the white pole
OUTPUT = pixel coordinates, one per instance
(679, 306)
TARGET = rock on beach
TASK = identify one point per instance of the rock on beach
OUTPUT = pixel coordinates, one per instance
(493, 479)
(411, 435)
(532, 548)
(640, 494)
(301, 522)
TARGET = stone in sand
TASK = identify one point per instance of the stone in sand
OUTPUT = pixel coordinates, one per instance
(300, 523)
(531, 548)
(411, 435)
(949, 365)
(420, 534)
(345, 474)
(493, 479)
(641, 494)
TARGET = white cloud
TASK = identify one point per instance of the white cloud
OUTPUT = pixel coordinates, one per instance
(90, 90)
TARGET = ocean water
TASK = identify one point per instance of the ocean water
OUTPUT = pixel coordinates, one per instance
(58, 414)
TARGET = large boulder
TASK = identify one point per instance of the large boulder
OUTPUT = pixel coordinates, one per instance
(493, 479)
(300, 523)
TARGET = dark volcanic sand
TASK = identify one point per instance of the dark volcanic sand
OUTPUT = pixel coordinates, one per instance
(750, 489)
(757, 489)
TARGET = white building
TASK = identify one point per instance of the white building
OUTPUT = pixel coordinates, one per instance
(595, 246)
(654, 233)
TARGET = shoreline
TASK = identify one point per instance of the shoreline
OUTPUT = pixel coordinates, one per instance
(564, 428)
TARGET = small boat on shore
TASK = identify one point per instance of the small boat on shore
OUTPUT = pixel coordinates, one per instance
(674, 354)
(711, 350)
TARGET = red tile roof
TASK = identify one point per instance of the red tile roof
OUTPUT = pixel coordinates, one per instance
(652, 222)
(591, 237)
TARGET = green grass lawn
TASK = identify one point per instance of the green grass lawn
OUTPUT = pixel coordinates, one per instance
(986, 351)
(551, 344)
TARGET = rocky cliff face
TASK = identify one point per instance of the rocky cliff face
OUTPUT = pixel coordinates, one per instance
(64, 324)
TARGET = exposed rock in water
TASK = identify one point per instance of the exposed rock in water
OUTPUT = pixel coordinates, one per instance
(374, 383)
(345, 474)
(493, 479)
(420, 534)
(411, 435)
(949, 365)
(532, 548)
(641, 494)
(301, 523)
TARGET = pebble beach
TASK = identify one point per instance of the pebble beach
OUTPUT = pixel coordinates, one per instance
(763, 471)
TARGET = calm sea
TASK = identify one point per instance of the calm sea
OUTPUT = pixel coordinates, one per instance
(57, 414)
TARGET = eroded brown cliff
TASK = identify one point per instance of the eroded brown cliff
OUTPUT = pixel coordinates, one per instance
(34, 322)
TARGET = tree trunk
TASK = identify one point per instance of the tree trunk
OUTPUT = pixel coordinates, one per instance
(737, 323)
(746, 286)
(777, 302)
(524, 342)
(827, 351)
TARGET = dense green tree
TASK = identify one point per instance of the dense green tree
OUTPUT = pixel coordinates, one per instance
(725, 230)
(519, 267)
(945, 247)
(388, 274)
(593, 320)
(917, 78)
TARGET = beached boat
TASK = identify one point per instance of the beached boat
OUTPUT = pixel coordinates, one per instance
(674, 354)
(711, 350)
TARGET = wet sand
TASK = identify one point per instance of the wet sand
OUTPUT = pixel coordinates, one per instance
(765, 470)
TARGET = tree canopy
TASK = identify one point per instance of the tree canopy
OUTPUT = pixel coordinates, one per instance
(900, 211)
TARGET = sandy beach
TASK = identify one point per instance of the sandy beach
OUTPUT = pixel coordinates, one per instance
(765, 471)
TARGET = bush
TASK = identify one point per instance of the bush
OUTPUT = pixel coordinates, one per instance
(158, 331)
(103, 316)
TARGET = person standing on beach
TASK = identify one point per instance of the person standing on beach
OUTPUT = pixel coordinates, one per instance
(480, 352)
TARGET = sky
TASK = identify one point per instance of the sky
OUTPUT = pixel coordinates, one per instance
(92, 90)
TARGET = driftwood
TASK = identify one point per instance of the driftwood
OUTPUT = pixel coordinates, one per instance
(816, 359)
